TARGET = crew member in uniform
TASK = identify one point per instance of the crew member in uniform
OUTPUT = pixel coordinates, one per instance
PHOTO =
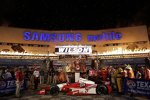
(77, 66)
(130, 73)
(119, 80)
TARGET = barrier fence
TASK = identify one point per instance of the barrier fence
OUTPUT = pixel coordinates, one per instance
(9, 86)
(137, 86)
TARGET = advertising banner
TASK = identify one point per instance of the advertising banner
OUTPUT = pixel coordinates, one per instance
(9, 86)
(137, 86)
(73, 50)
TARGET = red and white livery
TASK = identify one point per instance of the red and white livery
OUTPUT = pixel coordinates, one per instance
(82, 87)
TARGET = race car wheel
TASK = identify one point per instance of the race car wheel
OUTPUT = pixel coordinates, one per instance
(101, 89)
(54, 90)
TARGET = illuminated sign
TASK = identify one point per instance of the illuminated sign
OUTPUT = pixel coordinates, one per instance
(70, 37)
(67, 50)
(105, 36)
(53, 37)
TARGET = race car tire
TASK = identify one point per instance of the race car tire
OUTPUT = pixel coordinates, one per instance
(54, 90)
(101, 89)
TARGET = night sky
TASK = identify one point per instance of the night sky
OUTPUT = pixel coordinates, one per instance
(74, 15)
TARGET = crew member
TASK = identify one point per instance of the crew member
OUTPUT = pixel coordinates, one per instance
(130, 73)
(104, 74)
(77, 66)
(19, 78)
(36, 74)
(119, 80)
(49, 78)
(55, 76)
(41, 76)
(147, 73)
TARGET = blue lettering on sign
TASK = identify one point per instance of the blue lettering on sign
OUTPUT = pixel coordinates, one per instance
(105, 36)
(78, 37)
(53, 37)
(11, 83)
(35, 36)
(45, 37)
(112, 36)
(61, 37)
(70, 37)
(118, 36)
(27, 36)
(89, 37)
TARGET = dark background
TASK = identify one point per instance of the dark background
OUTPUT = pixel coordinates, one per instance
(74, 15)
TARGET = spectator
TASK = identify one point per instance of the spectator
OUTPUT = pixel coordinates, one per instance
(36, 75)
(7, 74)
(12, 73)
(55, 76)
(49, 79)
(27, 77)
(1, 71)
(41, 76)
(147, 73)
(142, 71)
(31, 78)
(19, 78)
(138, 75)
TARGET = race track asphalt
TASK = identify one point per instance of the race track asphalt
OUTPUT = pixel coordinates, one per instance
(31, 95)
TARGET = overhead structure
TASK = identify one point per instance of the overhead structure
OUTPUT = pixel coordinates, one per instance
(105, 44)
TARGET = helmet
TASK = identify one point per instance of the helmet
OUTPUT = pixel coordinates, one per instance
(120, 69)
(128, 67)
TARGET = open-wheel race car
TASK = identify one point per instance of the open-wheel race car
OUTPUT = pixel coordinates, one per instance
(82, 87)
